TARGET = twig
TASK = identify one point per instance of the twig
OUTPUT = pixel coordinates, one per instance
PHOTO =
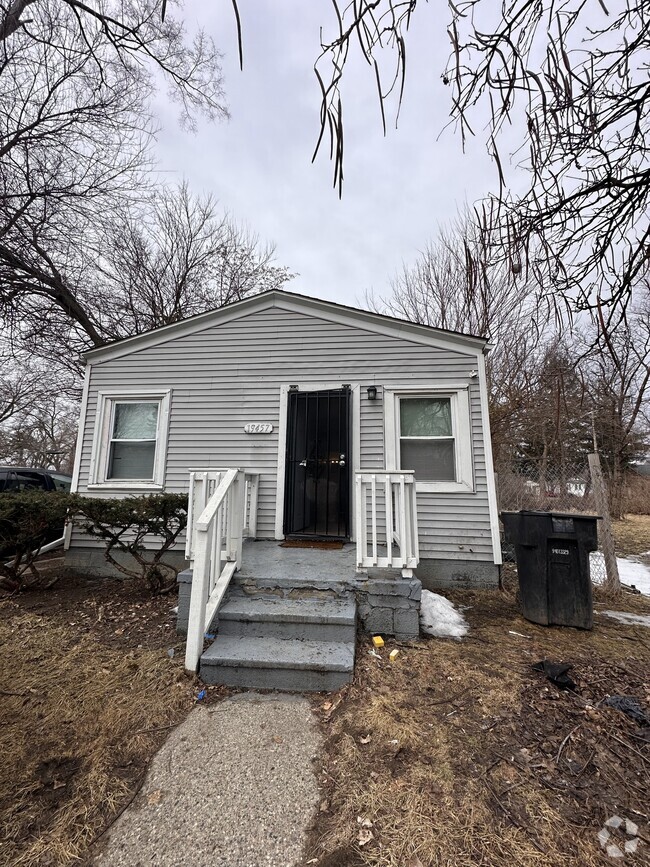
(559, 752)
(161, 729)
(586, 765)
(451, 698)
(629, 747)
(124, 806)
(515, 821)
(493, 765)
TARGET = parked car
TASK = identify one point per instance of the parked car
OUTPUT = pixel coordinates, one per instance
(33, 479)
(17, 479)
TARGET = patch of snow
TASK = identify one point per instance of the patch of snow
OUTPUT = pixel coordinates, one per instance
(439, 617)
(629, 619)
(631, 572)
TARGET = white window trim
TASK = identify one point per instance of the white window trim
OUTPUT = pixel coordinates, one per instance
(102, 436)
(460, 419)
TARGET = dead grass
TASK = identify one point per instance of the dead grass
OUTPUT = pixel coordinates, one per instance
(632, 535)
(88, 694)
(459, 754)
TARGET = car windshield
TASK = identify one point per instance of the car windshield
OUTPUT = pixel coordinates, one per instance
(61, 481)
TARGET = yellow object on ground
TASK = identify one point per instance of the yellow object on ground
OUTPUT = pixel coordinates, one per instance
(377, 640)
(393, 655)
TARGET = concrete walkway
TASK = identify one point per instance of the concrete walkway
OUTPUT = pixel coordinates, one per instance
(233, 786)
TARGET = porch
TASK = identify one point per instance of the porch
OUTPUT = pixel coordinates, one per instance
(285, 617)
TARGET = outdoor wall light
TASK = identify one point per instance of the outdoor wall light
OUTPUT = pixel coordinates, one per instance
(372, 392)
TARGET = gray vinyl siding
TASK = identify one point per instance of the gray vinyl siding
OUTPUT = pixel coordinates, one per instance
(229, 374)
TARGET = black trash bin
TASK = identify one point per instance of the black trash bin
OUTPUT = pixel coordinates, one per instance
(552, 552)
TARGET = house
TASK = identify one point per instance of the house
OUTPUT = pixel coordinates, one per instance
(293, 418)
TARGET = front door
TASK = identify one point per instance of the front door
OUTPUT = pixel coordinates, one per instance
(317, 483)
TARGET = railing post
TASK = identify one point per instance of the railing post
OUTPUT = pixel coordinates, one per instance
(388, 505)
(361, 528)
(198, 601)
(394, 492)
(254, 486)
(237, 517)
(190, 517)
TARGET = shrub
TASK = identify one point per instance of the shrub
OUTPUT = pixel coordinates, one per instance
(28, 521)
(123, 524)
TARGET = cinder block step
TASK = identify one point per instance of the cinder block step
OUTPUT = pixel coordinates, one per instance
(275, 617)
(278, 663)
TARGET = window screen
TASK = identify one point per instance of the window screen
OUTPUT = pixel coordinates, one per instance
(427, 443)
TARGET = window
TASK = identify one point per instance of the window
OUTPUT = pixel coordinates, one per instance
(130, 441)
(429, 433)
(427, 439)
(134, 432)
(62, 482)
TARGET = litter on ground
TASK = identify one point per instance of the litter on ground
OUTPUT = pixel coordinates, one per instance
(440, 618)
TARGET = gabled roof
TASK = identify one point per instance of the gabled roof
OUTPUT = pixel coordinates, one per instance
(292, 302)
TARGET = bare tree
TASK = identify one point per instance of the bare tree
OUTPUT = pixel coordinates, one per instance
(460, 282)
(618, 380)
(38, 413)
(173, 257)
(42, 434)
(75, 84)
(133, 35)
(575, 79)
(17, 388)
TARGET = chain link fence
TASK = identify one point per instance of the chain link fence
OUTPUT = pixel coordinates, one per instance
(551, 489)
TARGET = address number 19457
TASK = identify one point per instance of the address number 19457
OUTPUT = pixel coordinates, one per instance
(258, 428)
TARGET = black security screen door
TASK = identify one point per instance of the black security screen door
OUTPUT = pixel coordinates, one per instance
(317, 485)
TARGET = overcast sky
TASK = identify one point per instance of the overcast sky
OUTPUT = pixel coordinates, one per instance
(397, 189)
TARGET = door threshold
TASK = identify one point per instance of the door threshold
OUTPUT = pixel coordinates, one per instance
(314, 537)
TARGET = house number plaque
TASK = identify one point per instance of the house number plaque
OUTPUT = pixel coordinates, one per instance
(258, 428)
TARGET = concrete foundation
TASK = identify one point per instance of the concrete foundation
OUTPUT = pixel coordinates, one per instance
(460, 574)
(91, 561)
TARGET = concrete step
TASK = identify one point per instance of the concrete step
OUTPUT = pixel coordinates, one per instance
(278, 663)
(289, 587)
(275, 617)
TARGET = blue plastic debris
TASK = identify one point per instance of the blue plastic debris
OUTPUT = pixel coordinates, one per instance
(209, 636)
(202, 695)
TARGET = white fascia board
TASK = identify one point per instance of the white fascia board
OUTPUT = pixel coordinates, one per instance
(327, 310)
(489, 465)
(81, 428)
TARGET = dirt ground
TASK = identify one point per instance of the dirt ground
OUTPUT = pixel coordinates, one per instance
(456, 753)
(632, 536)
(88, 693)
(459, 753)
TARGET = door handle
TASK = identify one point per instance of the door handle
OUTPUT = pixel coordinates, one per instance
(341, 463)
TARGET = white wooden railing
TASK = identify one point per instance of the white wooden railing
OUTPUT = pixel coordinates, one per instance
(222, 510)
(386, 521)
(203, 484)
